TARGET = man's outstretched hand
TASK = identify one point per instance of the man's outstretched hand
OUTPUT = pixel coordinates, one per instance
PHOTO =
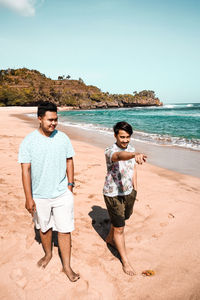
(140, 158)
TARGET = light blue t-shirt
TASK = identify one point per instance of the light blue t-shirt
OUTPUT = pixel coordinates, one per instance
(48, 158)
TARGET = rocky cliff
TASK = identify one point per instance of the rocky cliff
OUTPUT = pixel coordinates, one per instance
(26, 87)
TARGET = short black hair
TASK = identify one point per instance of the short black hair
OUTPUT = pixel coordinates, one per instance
(123, 126)
(45, 106)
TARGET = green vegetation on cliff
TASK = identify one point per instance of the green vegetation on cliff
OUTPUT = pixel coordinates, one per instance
(24, 87)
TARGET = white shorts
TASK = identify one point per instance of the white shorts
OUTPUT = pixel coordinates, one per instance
(56, 213)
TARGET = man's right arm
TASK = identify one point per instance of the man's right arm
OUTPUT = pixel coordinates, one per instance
(124, 155)
(26, 180)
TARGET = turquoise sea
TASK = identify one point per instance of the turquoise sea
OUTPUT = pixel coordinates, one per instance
(172, 124)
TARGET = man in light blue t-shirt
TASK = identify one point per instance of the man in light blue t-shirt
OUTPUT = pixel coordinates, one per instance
(46, 157)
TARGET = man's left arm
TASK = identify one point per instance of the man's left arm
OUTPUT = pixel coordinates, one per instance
(70, 172)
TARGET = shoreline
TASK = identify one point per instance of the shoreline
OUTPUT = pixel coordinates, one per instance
(161, 235)
(172, 158)
(177, 159)
(170, 130)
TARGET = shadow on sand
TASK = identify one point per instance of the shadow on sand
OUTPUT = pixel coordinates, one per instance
(54, 240)
(54, 237)
(101, 224)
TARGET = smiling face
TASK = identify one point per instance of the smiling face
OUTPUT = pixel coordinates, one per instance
(48, 122)
(122, 139)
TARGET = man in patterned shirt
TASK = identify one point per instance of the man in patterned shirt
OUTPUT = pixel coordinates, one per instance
(46, 157)
(120, 187)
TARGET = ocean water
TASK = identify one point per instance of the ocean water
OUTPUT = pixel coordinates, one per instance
(173, 124)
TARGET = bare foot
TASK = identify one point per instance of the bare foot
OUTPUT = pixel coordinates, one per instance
(128, 269)
(43, 262)
(71, 274)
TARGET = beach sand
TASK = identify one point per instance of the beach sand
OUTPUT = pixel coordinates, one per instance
(162, 234)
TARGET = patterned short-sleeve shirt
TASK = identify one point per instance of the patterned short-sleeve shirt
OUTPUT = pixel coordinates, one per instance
(119, 176)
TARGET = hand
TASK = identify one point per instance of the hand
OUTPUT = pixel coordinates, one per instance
(30, 206)
(140, 158)
(70, 187)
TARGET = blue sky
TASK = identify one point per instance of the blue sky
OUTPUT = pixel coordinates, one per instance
(121, 46)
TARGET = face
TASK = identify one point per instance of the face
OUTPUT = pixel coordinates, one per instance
(122, 139)
(48, 122)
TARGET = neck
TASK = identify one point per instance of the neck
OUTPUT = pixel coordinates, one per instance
(45, 133)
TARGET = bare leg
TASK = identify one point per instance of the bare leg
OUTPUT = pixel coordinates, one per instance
(64, 242)
(46, 239)
(110, 238)
(120, 245)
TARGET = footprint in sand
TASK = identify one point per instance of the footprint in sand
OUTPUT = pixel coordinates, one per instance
(138, 238)
(157, 235)
(80, 181)
(17, 276)
(81, 289)
(22, 282)
(2, 181)
(148, 206)
(76, 174)
(164, 224)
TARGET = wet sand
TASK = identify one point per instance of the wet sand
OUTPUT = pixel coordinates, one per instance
(177, 159)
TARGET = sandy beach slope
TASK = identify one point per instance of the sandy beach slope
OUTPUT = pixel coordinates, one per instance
(163, 233)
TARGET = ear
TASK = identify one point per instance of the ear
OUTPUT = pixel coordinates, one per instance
(39, 119)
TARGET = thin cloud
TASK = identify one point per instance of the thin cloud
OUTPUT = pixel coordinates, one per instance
(23, 7)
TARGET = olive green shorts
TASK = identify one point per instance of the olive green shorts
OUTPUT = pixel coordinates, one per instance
(120, 208)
